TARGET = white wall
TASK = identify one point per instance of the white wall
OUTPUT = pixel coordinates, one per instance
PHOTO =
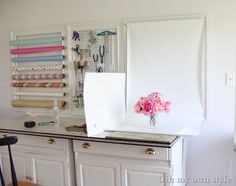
(211, 153)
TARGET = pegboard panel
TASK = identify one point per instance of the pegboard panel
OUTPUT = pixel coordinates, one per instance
(95, 48)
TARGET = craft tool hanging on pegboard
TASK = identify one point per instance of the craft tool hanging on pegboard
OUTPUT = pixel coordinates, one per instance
(76, 36)
(101, 52)
(108, 44)
(80, 69)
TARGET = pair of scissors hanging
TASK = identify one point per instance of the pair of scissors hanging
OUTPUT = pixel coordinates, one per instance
(77, 50)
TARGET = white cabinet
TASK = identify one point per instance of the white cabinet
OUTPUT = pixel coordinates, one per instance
(92, 171)
(49, 170)
(52, 162)
(20, 163)
(110, 164)
(47, 161)
(139, 175)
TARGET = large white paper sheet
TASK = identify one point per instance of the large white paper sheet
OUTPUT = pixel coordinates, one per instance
(167, 56)
(104, 101)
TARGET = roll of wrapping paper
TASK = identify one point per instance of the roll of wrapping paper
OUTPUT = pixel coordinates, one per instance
(38, 67)
(39, 84)
(40, 94)
(36, 50)
(35, 41)
(37, 103)
(38, 58)
(37, 76)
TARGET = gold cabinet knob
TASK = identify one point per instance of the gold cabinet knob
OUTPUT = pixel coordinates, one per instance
(86, 146)
(150, 151)
(51, 141)
(28, 178)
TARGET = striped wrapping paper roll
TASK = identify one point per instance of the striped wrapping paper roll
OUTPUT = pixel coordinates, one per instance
(38, 67)
(37, 76)
(39, 84)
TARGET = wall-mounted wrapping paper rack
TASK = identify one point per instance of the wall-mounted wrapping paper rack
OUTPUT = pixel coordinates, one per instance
(40, 69)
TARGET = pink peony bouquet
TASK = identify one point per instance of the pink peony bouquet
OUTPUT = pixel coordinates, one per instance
(151, 105)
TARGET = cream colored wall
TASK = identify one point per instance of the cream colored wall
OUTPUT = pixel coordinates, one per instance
(210, 154)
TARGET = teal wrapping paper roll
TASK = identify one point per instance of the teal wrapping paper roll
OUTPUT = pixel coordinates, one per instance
(35, 41)
(38, 58)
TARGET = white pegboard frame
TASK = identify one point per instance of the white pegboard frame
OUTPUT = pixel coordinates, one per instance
(45, 30)
(121, 56)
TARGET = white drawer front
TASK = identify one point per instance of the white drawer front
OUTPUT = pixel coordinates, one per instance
(36, 141)
(132, 151)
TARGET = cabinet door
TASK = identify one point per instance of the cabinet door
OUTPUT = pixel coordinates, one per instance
(92, 171)
(49, 170)
(140, 175)
(20, 163)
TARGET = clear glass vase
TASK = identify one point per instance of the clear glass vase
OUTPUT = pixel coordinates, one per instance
(152, 121)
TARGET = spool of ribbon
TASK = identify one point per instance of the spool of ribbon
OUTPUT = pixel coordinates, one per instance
(36, 50)
(37, 76)
(38, 67)
(39, 84)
